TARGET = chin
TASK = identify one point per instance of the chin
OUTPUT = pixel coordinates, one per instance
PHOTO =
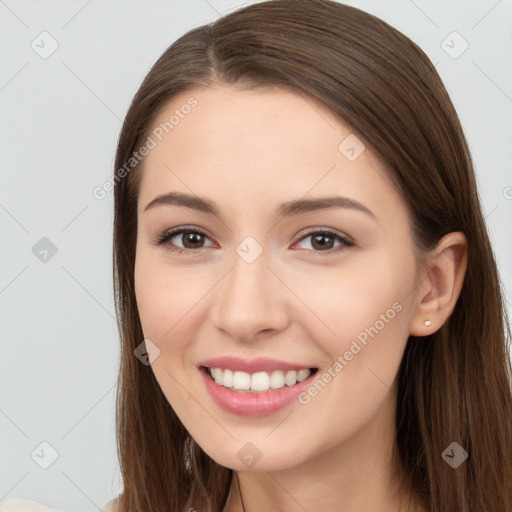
(246, 456)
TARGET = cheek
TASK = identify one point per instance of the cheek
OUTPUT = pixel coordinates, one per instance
(163, 300)
(370, 300)
(368, 310)
(168, 298)
(158, 302)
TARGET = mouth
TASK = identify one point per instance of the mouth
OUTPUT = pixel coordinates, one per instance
(254, 387)
(258, 382)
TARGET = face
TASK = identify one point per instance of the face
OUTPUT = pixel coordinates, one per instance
(306, 304)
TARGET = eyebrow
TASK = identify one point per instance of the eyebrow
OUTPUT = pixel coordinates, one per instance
(288, 209)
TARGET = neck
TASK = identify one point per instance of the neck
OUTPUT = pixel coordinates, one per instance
(356, 475)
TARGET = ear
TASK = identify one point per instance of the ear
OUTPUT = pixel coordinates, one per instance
(440, 284)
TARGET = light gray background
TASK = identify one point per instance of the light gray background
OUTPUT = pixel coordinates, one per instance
(60, 118)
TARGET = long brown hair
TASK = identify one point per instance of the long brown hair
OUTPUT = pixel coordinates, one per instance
(454, 385)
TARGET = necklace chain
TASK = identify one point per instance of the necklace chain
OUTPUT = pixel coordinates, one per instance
(240, 492)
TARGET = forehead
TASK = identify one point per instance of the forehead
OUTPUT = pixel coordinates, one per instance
(261, 146)
(270, 122)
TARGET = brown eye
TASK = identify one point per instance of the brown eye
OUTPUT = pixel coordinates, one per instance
(189, 238)
(323, 241)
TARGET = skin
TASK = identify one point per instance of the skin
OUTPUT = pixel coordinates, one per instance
(249, 152)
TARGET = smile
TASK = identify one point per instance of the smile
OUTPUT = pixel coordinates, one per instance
(262, 388)
(259, 382)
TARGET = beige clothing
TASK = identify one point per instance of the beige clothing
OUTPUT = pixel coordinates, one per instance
(28, 505)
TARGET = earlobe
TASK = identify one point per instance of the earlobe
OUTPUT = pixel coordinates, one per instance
(441, 285)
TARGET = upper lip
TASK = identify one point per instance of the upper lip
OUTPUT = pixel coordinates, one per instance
(261, 364)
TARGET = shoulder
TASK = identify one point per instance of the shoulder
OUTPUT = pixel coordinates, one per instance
(28, 505)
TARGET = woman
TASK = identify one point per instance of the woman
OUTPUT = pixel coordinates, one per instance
(303, 273)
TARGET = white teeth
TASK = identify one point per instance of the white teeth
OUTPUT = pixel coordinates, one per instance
(303, 374)
(227, 378)
(290, 378)
(217, 375)
(241, 380)
(277, 379)
(258, 382)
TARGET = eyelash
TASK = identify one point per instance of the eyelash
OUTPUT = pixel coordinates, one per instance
(163, 239)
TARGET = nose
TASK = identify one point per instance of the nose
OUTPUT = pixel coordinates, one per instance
(249, 304)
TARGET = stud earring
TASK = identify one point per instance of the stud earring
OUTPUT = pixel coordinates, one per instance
(427, 322)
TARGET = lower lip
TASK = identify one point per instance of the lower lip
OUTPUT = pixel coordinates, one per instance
(253, 404)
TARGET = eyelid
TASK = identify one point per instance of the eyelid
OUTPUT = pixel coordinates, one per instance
(332, 231)
(346, 240)
(171, 233)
